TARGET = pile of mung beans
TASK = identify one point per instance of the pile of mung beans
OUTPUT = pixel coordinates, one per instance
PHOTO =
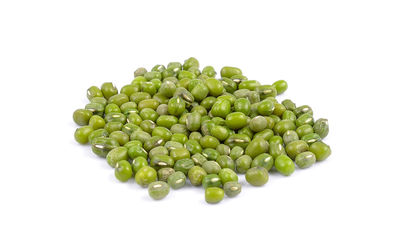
(178, 122)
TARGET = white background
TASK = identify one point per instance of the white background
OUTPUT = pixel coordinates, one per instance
(339, 57)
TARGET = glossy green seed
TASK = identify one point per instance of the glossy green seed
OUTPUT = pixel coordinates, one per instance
(190, 62)
(140, 135)
(121, 137)
(161, 161)
(133, 143)
(214, 195)
(284, 165)
(134, 118)
(211, 180)
(303, 110)
(139, 96)
(148, 114)
(102, 145)
(289, 104)
(138, 163)
(296, 147)
(137, 151)
(258, 123)
(266, 91)
(152, 75)
(117, 154)
(241, 140)
(159, 150)
(210, 154)
(257, 176)
(211, 167)
(208, 102)
(223, 149)
(176, 106)
(148, 103)
(130, 89)
(321, 127)
(304, 130)
(284, 125)
(276, 149)
(158, 190)
(123, 170)
(193, 146)
(229, 85)
(227, 175)
(229, 71)
(236, 152)
(97, 122)
(129, 128)
(214, 87)
(145, 175)
(221, 108)
(199, 109)
(195, 136)
(232, 188)
(184, 94)
(249, 84)
(246, 131)
(276, 139)
(243, 163)
(290, 136)
(281, 86)
(108, 90)
(164, 173)
(209, 142)
(93, 91)
(167, 121)
(242, 105)
(147, 126)
(209, 71)
(162, 110)
(179, 137)
(184, 165)
(193, 121)
(179, 153)
(279, 109)
(236, 120)
(238, 78)
(289, 115)
(115, 117)
(305, 159)
(256, 147)
(153, 142)
(162, 132)
(82, 134)
(97, 133)
(199, 92)
(198, 159)
(118, 99)
(177, 180)
(140, 71)
(99, 100)
(311, 138)
(263, 160)
(170, 145)
(266, 107)
(265, 134)
(321, 150)
(95, 108)
(196, 175)
(82, 116)
(305, 119)
(226, 162)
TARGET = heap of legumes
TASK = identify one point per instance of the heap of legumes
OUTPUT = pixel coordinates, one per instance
(178, 122)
